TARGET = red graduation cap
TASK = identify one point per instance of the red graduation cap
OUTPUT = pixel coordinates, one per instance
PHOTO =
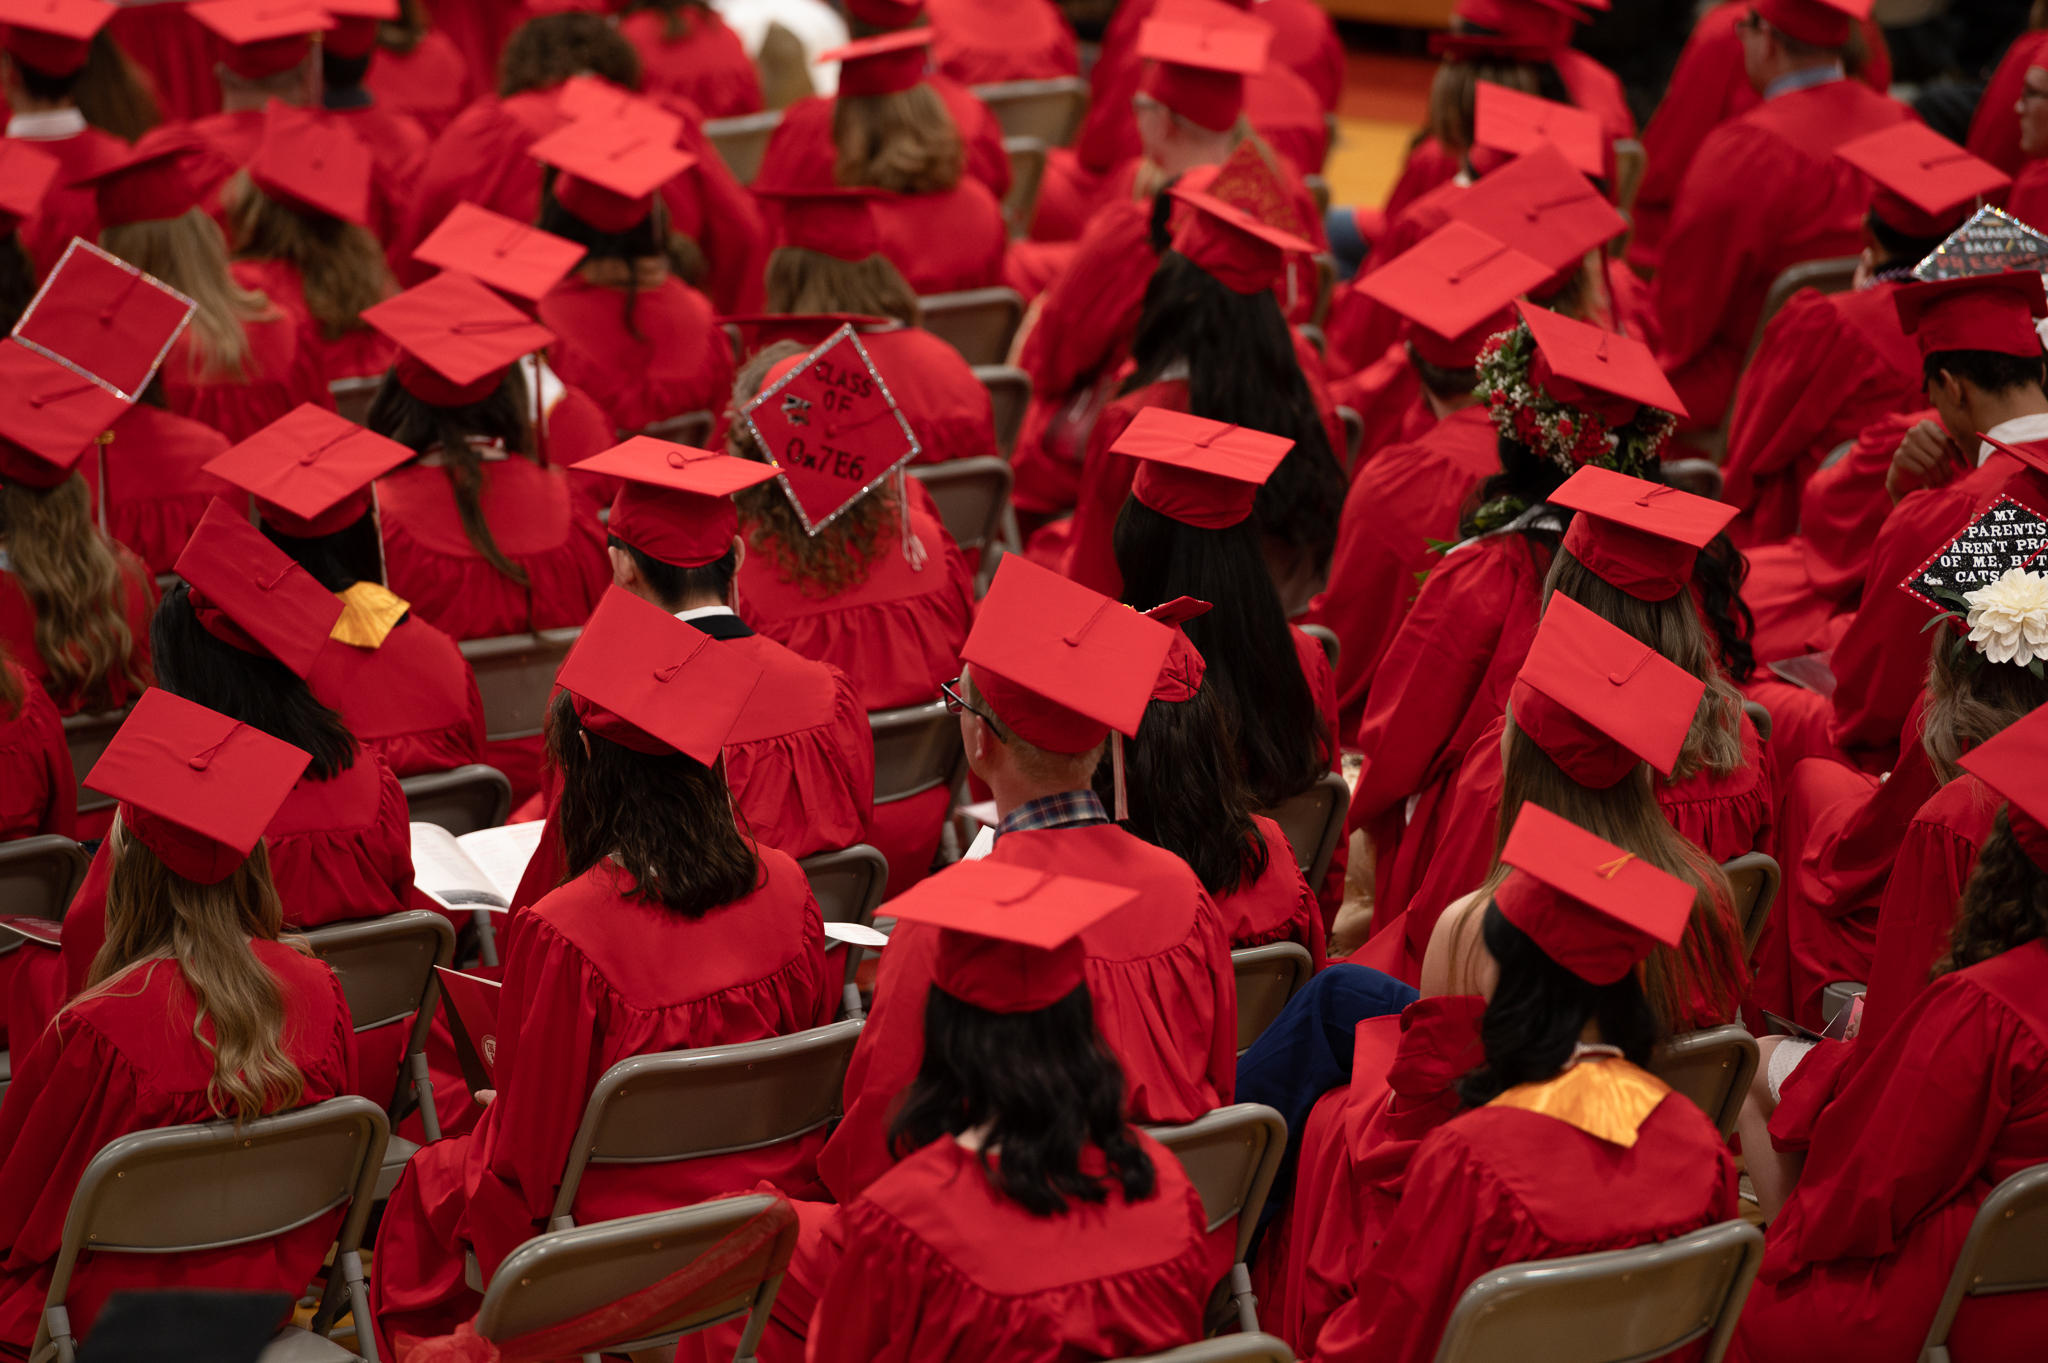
(1598, 700)
(610, 167)
(1009, 936)
(313, 164)
(2014, 762)
(1201, 52)
(1817, 23)
(1593, 369)
(1059, 664)
(310, 470)
(506, 254)
(1545, 22)
(1247, 181)
(833, 222)
(148, 184)
(262, 37)
(1200, 472)
(676, 504)
(195, 787)
(53, 36)
(887, 64)
(1180, 676)
(649, 682)
(1926, 184)
(457, 338)
(885, 13)
(1455, 286)
(247, 592)
(1509, 121)
(1229, 244)
(355, 25)
(1639, 536)
(1593, 908)
(1544, 206)
(26, 174)
(1975, 312)
(828, 420)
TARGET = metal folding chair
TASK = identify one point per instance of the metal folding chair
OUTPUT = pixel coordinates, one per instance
(976, 322)
(462, 800)
(1050, 110)
(1313, 821)
(973, 497)
(1327, 637)
(39, 876)
(515, 674)
(743, 141)
(917, 748)
(352, 397)
(87, 736)
(1027, 173)
(1225, 1349)
(849, 885)
(688, 428)
(1009, 394)
(1754, 876)
(1231, 1156)
(2007, 1251)
(1267, 977)
(1712, 1067)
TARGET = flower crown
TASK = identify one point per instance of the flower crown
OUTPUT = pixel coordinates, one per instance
(1565, 435)
(2007, 618)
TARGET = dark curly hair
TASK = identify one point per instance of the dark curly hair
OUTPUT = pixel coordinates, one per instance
(2004, 904)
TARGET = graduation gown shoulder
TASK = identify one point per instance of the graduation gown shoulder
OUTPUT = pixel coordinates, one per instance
(279, 370)
(38, 790)
(361, 352)
(982, 42)
(940, 1265)
(413, 699)
(479, 157)
(150, 481)
(431, 83)
(948, 409)
(1106, 479)
(138, 603)
(674, 358)
(801, 152)
(705, 63)
(800, 758)
(67, 210)
(946, 240)
(1277, 906)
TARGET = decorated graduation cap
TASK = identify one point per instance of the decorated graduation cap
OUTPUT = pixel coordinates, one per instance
(1817, 23)
(1234, 248)
(313, 164)
(1248, 181)
(829, 422)
(147, 184)
(609, 168)
(1201, 51)
(1180, 676)
(837, 222)
(1541, 204)
(2014, 762)
(508, 255)
(1925, 183)
(1512, 122)
(456, 338)
(1009, 936)
(79, 357)
(1580, 363)
(310, 470)
(1994, 312)
(1990, 580)
(1593, 908)
(355, 25)
(1640, 536)
(1454, 287)
(26, 174)
(1577, 394)
(884, 65)
(676, 502)
(195, 787)
(1990, 242)
(247, 592)
(1200, 472)
(1598, 700)
(53, 36)
(1059, 664)
(649, 682)
(261, 38)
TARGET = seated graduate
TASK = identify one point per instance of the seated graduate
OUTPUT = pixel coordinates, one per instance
(38, 789)
(688, 52)
(397, 140)
(401, 686)
(1952, 1101)
(670, 929)
(1026, 1218)
(194, 1011)
(1561, 1105)
(1052, 668)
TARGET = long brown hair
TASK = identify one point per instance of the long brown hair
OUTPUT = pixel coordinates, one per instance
(2004, 904)
(155, 914)
(1454, 91)
(451, 432)
(71, 574)
(112, 91)
(904, 141)
(340, 264)
(12, 691)
(804, 281)
(190, 254)
(1969, 699)
(549, 49)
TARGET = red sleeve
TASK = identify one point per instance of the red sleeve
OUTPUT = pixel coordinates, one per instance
(1881, 662)
(1717, 231)
(1918, 913)
(1706, 82)
(1105, 485)
(1091, 310)
(38, 791)
(733, 236)
(886, 1058)
(1783, 401)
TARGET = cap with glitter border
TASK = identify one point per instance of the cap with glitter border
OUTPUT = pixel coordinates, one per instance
(608, 168)
(53, 36)
(355, 25)
(456, 338)
(1587, 367)
(1180, 676)
(147, 184)
(1993, 312)
(1201, 51)
(1059, 664)
(649, 682)
(1598, 700)
(1510, 121)
(1925, 184)
(2014, 762)
(1230, 245)
(504, 253)
(828, 420)
(310, 470)
(1009, 936)
(1542, 204)
(1200, 472)
(26, 174)
(1640, 536)
(834, 222)
(886, 64)
(1591, 907)
(262, 38)
(1454, 286)
(1817, 23)
(195, 787)
(313, 164)
(247, 592)
(676, 504)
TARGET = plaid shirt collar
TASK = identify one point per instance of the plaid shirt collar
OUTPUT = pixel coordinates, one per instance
(1068, 809)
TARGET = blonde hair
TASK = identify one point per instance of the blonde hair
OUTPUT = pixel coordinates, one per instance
(190, 254)
(904, 141)
(1970, 699)
(71, 574)
(340, 264)
(155, 914)
(805, 281)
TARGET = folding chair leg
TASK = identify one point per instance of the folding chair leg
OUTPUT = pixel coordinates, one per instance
(486, 936)
(757, 1321)
(851, 1004)
(1241, 1293)
(423, 1087)
(351, 1267)
(60, 1346)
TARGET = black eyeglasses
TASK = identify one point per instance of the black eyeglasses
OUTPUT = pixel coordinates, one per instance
(955, 704)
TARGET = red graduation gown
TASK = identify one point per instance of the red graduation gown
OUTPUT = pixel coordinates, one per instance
(128, 1061)
(945, 241)
(801, 152)
(68, 211)
(705, 63)
(431, 83)
(1158, 970)
(982, 42)
(398, 144)
(593, 977)
(18, 631)
(1995, 127)
(38, 789)
(412, 699)
(149, 483)
(360, 352)
(177, 51)
(1387, 395)
(1279, 906)
(1764, 191)
(939, 1265)
(1954, 1101)
(673, 359)
(948, 408)
(2027, 199)
(279, 371)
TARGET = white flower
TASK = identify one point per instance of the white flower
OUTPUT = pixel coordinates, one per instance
(2009, 618)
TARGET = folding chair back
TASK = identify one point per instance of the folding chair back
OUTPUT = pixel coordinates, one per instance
(1267, 977)
(1327, 637)
(1050, 110)
(850, 885)
(743, 141)
(1759, 718)
(1009, 393)
(515, 673)
(1835, 274)
(1616, 1307)
(352, 397)
(684, 1105)
(688, 428)
(2007, 1251)
(1027, 173)
(972, 495)
(462, 800)
(1225, 1349)
(1313, 821)
(39, 876)
(557, 1277)
(184, 1189)
(976, 322)
(1231, 1155)
(1712, 1067)
(917, 748)
(1354, 435)
(1631, 159)
(386, 970)
(1754, 877)
(87, 736)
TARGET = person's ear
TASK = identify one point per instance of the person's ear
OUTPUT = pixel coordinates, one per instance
(625, 572)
